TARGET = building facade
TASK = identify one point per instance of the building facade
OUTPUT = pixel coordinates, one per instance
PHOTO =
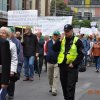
(85, 9)
(6, 5)
(43, 7)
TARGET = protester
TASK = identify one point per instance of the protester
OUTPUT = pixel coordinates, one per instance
(86, 45)
(18, 35)
(11, 88)
(52, 66)
(5, 62)
(95, 51)
(14, 59)
(46, 38)
(41, 49)
(70, 56)
(30, 50)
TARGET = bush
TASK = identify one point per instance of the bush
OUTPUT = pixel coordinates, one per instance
(82, 23)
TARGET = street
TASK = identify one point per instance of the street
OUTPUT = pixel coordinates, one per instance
(88, 87)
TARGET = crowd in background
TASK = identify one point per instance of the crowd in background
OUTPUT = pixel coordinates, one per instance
(30, 51)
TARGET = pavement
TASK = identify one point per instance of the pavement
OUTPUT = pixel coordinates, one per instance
(87, 88)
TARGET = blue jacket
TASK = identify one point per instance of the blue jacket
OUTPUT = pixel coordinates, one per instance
(19, 50)
(19, 53)
(86, 45)
(51, 54)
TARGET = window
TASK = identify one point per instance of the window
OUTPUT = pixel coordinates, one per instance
(3, 5)
(88, 15)
(75, 2)
(8, 5)
(23, 4)
(95, 2)
(30, 4)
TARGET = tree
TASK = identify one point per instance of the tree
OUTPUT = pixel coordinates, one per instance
(61, 8)
(82, 23)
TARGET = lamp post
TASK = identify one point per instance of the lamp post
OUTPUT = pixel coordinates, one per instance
(55, 8)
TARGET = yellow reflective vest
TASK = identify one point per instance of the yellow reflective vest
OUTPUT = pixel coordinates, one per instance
(72, 54)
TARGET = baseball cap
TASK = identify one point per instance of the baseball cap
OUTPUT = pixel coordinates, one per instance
(56, 33)
(68, 27)
(12, 29)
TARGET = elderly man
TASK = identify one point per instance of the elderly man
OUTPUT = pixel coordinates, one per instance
(52, 66)
(41, 49)
(18, 35)
(30, 50)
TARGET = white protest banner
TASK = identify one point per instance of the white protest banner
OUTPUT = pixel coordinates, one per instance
(93, 24)
(94, 30)
(51, 23)
(37, 28)
(76, 31)
(22, 17)
(87, 31)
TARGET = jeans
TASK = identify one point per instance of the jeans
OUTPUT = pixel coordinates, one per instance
(97, 61)
(29, 66)
(3, 94)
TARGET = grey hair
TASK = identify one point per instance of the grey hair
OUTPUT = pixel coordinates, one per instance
(6, 29)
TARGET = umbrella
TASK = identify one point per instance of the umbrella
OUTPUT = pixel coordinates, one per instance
(38, 68)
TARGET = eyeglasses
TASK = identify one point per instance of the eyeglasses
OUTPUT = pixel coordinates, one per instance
(2, 32)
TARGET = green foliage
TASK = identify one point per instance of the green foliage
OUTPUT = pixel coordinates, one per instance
(60, 7)
(82, 23)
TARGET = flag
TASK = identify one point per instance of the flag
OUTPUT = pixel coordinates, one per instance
(66, 1)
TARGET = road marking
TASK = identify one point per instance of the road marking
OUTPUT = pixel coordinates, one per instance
(81, 90)
(83, 87)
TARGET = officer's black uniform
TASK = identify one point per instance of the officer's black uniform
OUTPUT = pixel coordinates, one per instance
(69, 76)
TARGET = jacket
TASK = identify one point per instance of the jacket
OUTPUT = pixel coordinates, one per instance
(19, 50)
(71, 54)
(95, 51)
(86, 45)
(30, 45)
(14, 59)
(41, 45)
(5, 61)
(79, 45)
(51, 54)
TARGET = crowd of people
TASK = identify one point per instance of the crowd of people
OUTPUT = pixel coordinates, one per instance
(63, 55)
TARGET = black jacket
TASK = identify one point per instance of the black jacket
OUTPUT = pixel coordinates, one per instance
(68, 43)
(5, 61)
(30, 45)
(41, 45)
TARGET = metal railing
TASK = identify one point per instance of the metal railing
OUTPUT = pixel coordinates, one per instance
(84, 6)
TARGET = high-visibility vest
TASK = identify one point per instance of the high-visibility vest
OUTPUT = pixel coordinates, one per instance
(72, 53)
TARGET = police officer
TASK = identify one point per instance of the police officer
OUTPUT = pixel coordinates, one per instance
(70, 56)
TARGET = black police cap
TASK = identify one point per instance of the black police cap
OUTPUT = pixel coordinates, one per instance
(68, 27)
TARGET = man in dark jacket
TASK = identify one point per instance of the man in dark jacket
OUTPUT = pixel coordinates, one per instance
(30, 50)
(52, 66)
(5, 62)
(41, 49)
(70, 55)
